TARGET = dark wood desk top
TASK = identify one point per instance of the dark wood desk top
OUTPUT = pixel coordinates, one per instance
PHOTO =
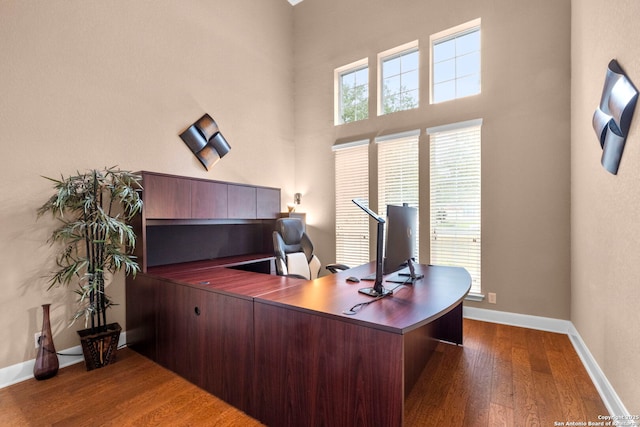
(210, 263)
(212, 275)
(409, 307)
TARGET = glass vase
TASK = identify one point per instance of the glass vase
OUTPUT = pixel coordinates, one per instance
(47, 364)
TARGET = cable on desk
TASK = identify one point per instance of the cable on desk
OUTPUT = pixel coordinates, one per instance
(356, 308)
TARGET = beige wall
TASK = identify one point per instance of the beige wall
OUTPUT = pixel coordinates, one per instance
(605, 230)
(525, 105)
(88, 84)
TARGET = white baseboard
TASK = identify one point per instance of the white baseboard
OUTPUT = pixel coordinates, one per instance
(609, 396)
(23, 371)
(514, 319)
(607, 393)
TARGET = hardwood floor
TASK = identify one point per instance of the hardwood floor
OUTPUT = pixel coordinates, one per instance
(133, 391)
(502, 376)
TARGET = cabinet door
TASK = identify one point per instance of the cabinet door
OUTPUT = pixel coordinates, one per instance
(242, 202)
(207, 338)
(222, 335)
(173, 348)
(166, 197)
(208, 200)
(268, 203)
(141, 314)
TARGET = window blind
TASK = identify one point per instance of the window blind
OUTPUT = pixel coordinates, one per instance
(352, 182)
(398, 178)
(455, 196)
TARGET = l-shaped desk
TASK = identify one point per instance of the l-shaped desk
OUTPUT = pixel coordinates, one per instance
(282, 350)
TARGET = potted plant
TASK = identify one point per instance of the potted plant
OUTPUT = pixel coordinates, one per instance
(94, 208)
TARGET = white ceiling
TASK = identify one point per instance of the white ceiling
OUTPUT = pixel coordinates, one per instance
(294, 2)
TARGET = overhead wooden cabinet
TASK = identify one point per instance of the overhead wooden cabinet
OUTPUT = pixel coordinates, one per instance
(166, 197)
(209, 200)
(189, 219)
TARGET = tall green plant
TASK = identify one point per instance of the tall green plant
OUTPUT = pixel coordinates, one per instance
(94, 208)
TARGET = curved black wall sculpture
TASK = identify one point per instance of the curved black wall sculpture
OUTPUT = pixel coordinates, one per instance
(612, 119)
(205, 141)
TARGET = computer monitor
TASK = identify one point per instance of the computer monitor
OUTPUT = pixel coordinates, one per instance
(402, 223)
(400, 248)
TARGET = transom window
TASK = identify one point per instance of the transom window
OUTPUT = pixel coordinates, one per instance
(352, 97)
(399, 79)
(455, 57)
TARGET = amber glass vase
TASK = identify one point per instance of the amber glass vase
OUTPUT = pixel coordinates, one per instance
(46, 360)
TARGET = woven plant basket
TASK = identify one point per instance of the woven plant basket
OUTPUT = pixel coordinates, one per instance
(99, 349)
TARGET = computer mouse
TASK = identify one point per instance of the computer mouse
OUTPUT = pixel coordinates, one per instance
(353, 279)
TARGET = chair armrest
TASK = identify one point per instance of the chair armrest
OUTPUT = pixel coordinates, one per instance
(334, 268)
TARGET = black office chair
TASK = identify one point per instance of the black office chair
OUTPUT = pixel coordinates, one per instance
(294, 251)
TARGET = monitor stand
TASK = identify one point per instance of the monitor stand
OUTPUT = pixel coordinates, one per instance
(413, 277)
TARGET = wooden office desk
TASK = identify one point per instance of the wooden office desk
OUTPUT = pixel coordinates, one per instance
(282, 350)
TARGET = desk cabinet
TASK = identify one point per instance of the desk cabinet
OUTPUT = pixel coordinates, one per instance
(207, 338)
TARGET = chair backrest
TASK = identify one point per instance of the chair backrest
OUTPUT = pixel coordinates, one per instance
(290, 243)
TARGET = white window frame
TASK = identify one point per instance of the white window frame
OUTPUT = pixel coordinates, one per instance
(399, 168)
(390, 54)
(351, 182)
(458, 245)
(446, 35)
(337, 80)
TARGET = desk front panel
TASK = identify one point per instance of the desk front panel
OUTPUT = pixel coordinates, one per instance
(314, 370)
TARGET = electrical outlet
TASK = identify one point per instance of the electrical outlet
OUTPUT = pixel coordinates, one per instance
(36, 338)
(492, 298)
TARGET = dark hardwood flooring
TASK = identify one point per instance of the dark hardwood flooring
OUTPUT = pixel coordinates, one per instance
(134, 391)
(502, 376)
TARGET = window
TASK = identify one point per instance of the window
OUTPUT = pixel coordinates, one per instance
(352, 182)
(455, 197)
(398, 163)
(399, 79)
(455, 58)
(352, 92)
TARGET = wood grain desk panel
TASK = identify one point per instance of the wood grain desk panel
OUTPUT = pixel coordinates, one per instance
(313, 370)
(315, 363)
